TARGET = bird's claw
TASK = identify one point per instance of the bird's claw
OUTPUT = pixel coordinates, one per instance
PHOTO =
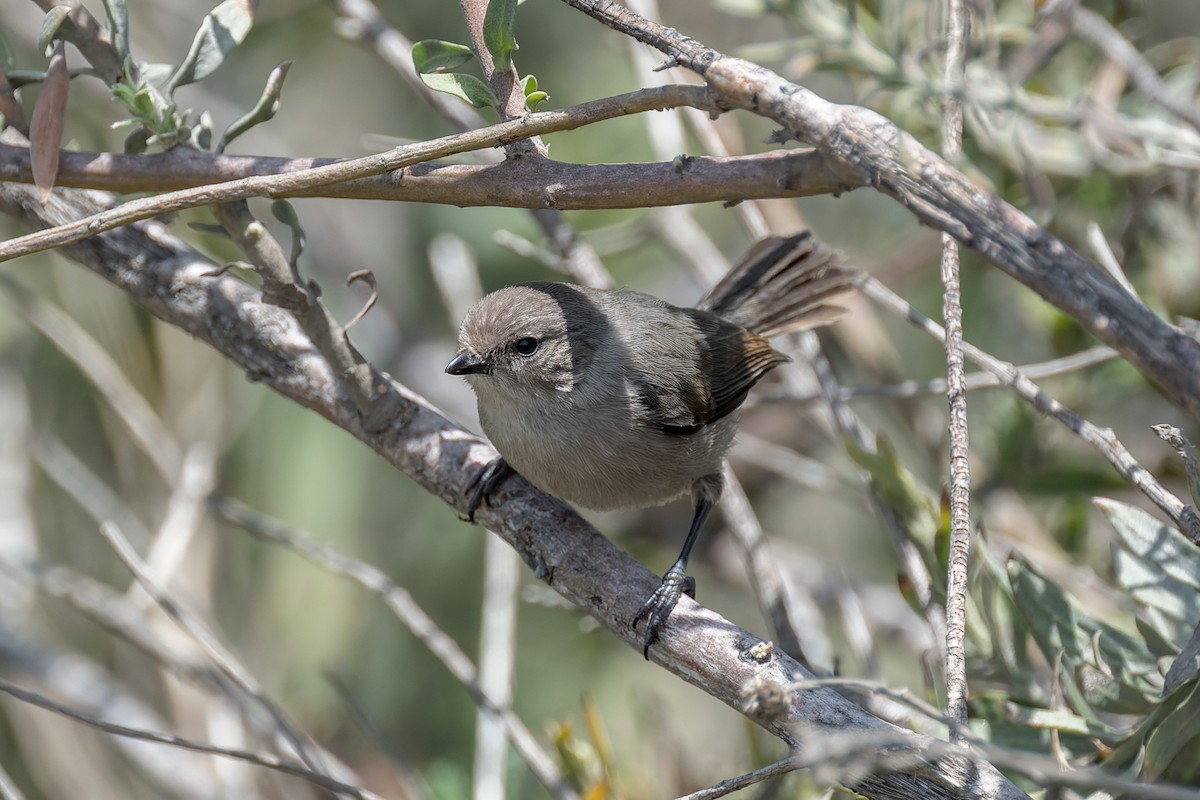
(483, 483)
(659, 605)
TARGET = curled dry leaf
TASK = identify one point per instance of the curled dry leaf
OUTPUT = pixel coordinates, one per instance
(46, 127)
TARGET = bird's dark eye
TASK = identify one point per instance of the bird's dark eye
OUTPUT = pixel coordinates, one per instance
(526, 345)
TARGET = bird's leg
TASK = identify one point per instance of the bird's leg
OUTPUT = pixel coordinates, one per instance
(484, 482)
(659, 605)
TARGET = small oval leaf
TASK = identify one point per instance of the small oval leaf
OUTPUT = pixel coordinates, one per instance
(435, 55)
(46, 126)
(465, 87)
(534, 100)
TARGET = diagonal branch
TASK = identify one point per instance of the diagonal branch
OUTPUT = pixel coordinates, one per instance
(155, 269)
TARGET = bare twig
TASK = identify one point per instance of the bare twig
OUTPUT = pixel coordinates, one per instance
(220, 657)
(958, 32)
(770, 587)
(414, 618)
(859, 437)
(1103, 439)
(185, 510)
(1098, 31)
(258, 759)
(98, 366)
(361, 19)
(731, 785)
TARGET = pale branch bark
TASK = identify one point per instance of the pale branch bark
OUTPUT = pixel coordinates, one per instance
(863, 146)
(528, 183)
(958, 32)
(148, 263)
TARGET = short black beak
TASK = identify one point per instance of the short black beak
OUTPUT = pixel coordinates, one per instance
(467, 363)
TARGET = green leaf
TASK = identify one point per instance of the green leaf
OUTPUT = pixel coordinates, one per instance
(54, 20)
(465, 87)
(435, 55)
(1108, 665)
(285, 212)
(534, 100)
(223, 28)
(6, 54)
(900, 489)
(499, 22)
(1173, 747)
(533, 97)
(1150, 586)
(264, 109)
(1154, 541)
(118, 27)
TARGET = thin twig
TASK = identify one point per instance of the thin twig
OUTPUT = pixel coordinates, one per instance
(258, 759)
(958, 32)
(97, 365)
(185, 510)
(731, 785)
(858, 436)
(1098, 31)
(1103, 439)
(222, 658)
(770, 587)
(414, 618)
(8, 787)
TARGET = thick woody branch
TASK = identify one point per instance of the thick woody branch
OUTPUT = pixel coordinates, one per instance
(863, 146)
(397, 158)
(528, 183)
(154, 268)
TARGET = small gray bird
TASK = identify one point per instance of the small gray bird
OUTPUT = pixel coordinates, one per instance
(616, 399)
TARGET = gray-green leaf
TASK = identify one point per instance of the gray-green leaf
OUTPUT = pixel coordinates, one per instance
(285, 212)
(499, 22)
(118, 27)
(223, 28)
(465, 87)
(54, 20)
(435, 55)
(264, 109)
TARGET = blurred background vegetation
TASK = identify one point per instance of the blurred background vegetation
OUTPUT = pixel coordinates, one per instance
(1071, 142)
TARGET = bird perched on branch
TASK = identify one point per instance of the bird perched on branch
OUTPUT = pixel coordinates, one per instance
(617, 399)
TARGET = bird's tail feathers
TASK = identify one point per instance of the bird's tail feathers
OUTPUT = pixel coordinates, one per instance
(784, 284)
